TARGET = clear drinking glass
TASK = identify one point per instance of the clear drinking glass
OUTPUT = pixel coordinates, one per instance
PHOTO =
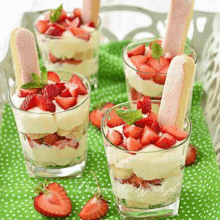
(138, 87)
(67, 156)
(71, 53)
(161, 172)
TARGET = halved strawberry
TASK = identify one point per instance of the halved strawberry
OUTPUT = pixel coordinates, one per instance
(133, 144)
(62, 16)
(45, 103)
(155, 126)
(115, 137)
(144, 104)
(160, 78)
(138, 60)
(82, 88)
(42, 26)
(83, 34)
(25, 92)
(73, 89)
(146, 72)
(114, 120)
(52, 76)
(65, 93)
(61, 86)
(191, 155)
(135, 95)
(54, 29)
(74, 24)
(50, 139)
(66, 102)
(158, 41)
(50, 91)
(140, 50)
(52, 58)
(52, 201)
(132, 131)
(164, 62)
(163, 69)
(149, 136)
(166, 141)
(178, 133)
(77, 12)
(29, 102)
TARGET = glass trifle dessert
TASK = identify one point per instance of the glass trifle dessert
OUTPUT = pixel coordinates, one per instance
(69, 43)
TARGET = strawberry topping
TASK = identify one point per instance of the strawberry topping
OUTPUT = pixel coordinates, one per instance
(45, 103)
(50, 91)
(133, 144)
(115, 137)
(144, 104)
(82, 88)
(66, 102)
(52, 76)
(29, 102)
(149, 136)
(26, 92)
(132, 131)
(166, 141)
(42, 26)
(140, 50)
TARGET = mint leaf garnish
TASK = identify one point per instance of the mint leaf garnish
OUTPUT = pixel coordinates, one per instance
(55, 14)
(157, 50)
(129, 115)
(36, 79)
(187, 50)
(31, 85)
(44, 75)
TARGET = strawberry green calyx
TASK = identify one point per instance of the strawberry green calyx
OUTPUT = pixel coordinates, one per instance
(55, 14)
(41, 188)
(157, 50)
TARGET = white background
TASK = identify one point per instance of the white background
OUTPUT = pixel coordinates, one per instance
(11, 11)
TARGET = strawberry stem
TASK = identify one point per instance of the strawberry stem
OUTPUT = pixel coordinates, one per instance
(97, 183)
(41, 188)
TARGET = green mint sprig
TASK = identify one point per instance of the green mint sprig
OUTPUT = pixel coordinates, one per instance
(55, 14)
(157, 50)
(38, 82)
(129, 115)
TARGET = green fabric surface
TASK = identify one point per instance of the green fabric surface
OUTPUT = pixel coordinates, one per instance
(200, 198)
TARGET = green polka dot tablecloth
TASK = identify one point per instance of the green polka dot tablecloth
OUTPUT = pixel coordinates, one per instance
(200, 198)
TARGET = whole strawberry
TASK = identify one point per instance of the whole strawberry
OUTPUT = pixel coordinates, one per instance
(96, 207)
(191, 155)
(52, 200)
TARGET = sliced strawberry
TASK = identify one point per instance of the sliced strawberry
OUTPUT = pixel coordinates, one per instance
(178, 133)
(73, 143)
(72, 61)
(83, 34)
(50, 139)
(140, 50)
(146, 72)
(149, 136)
(61, 86)
(144, 104)
(155, 126)
(65, 23)
(158, 41)
(155, 182)
(160, 78)
(66, 102)
(54, 30)
(133, 144)
(52, 58)
(115, 137)
(73, 89)
(26, 92)
(29, 102)
(52, 76)
(132, 131)
(114, 120)
(163, 70)
(52, 201)
(135, 95)
(107, 106)
(42, 26)
(166, 141)
(66, 93)
(82, 88)
(164, 62)
(138, 61)
(50, 91)
(154, 63)
(91, 24)
(71, 18)
(147, 121)
(136, 181)
(77, 12)
(74, 24)
(94, 209)
(45, 103)
(62, 16)
(191, 155)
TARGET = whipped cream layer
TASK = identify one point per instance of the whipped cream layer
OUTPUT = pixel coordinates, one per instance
(43, 155)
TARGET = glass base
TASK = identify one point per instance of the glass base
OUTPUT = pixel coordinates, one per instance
(73, 171)
(129, 213)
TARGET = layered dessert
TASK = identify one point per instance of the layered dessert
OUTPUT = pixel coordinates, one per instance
(69, 43)
(51, 110)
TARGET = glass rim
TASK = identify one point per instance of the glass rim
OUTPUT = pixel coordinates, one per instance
(53, 113)
(145, 40)
(141, 152)
(60, 37)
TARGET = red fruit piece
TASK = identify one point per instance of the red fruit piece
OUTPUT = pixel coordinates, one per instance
(133, 144)
(50, 91)
(178, 133)
(164, 62)
(115, 137)
(132, 131)
(160, 78)
(154, 63)
(135, 95)
(66, 93)
(155, 126)
(166, 141)
(82, 88)
(54, 30)
(75, 23)
(52, 76)
(26, 92)
(163, 70)
(29, 102)
(191, 155)
(50, 139)
(158, 41)
(147, 121)
(144, 104)
(45, 103)
(94, 209)
(70, 18)
(92, 24)
(138, 61)
(62, 16)
(149, 136)
(53, 59)
(140, 50)
(155, 182)
(72, 61)
(53, 201)
(66, 102)
(83, 34)
(77, 12)
(114, 120)
(73, 89)
(61, 86)
(42, 26)
(146, 72)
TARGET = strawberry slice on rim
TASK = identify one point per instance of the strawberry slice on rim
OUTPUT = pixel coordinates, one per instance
(26, 92)
(140, 50)
(114, 120)
(82, 88)
(52, 76)
(42, 26)
(66, 102)
(138, 61)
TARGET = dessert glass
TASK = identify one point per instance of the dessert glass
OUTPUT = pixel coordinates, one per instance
(66, 157)
(136, 86)
(162, 170)
(72, 52)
